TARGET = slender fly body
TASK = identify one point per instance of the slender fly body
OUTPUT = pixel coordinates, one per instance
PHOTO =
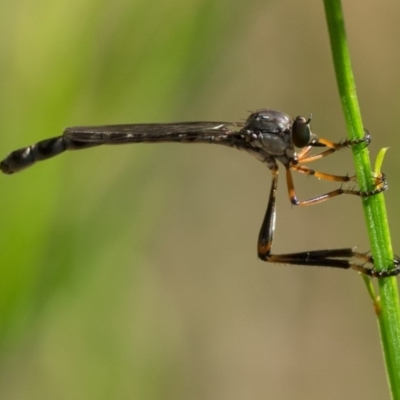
(271, 136)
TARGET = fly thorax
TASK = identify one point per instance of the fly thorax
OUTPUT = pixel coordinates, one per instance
(291, 155)
(274, 144)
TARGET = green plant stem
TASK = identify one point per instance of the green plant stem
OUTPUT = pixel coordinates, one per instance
(387, 304)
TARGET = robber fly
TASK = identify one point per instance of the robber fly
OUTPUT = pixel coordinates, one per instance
(269, 135)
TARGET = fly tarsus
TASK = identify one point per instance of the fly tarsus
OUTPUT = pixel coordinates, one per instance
(366, 140)
(394, 270)
(380, 185)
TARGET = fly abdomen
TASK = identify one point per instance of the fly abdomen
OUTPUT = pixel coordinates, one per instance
(27, 156)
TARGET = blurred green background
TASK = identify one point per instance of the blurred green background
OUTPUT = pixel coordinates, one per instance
(130, 272)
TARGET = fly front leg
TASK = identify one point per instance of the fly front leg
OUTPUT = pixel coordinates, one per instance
(303, 156)
(332, 147)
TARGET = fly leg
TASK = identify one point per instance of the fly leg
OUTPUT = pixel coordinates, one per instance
(379, 181)
(332, 147)
(344, 258)
(380, 186)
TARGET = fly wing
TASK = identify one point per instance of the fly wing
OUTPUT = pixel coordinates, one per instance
(136, 133)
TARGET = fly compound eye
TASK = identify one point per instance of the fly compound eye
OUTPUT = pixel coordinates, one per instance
(301, 132)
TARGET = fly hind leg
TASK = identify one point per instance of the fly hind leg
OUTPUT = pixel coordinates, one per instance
(345, 258)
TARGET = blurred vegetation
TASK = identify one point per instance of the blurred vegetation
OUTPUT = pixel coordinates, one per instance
(131, 272)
